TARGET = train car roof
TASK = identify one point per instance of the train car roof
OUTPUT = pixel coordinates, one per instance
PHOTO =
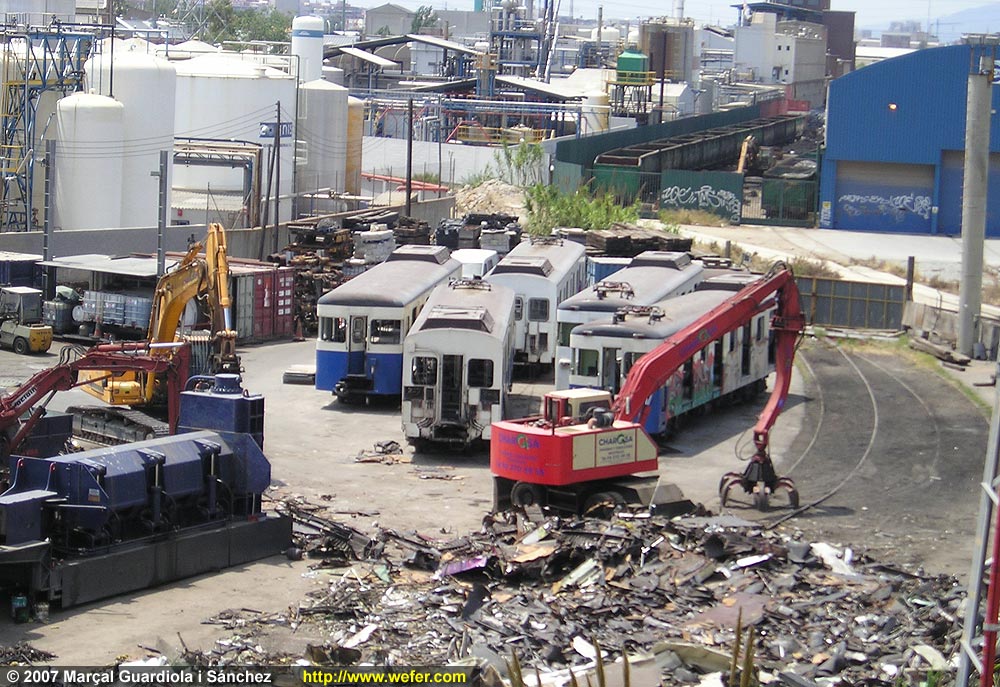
(677, 313)
(727, 280)
(541, 257)
(470, 304)
(648, 283)
(392, 283)
(436, 254)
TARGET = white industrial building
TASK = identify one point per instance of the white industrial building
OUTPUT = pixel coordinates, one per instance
(791, 53)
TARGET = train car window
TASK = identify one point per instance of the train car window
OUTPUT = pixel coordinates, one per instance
(424, 370)
(565, 329)
(538, 309)
(732, 341)
(480, 372)
(333, 329)
(358, 330)
(760, 328)
(386, 331)
(586, 362)
(518, 308)
(628, 360)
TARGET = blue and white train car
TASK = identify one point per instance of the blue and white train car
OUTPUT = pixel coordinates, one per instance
(362, 323)
(736, 365)
(650, 277)
(542, 271)
(457, 364)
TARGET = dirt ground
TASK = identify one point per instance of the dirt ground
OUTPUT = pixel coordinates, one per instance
(900, 448)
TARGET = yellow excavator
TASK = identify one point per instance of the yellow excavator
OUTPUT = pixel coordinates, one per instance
(197, 276)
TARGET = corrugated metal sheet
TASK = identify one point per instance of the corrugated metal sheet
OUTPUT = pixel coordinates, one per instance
(928, 88)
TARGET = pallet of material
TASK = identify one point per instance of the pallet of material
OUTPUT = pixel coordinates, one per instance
(627, 241)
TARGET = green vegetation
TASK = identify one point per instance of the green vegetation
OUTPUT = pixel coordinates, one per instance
(429, 177)
(519, 165)
(550, 207)
(225, 23)
(423, 18)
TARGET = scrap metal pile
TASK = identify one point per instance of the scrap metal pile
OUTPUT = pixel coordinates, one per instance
(668, 592)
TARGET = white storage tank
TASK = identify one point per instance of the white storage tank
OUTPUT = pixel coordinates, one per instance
(307, 44)
(609, 34)
(596, 112)
(88, 169)
(322, 134)
(146, 85)
(355, 134)
(221, 96)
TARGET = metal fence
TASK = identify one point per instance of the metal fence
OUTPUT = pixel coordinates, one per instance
(786, 202)
(851, 304)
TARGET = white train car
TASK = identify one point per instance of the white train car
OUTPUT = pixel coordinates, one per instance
(736, 365)
(476, 262)
(457, 364)
(650, 277)
(542, 271)
(362, 322)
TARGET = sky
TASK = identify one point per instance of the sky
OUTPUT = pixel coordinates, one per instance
(870, 13)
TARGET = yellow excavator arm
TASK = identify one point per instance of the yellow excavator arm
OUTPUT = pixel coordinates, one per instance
(196, 275)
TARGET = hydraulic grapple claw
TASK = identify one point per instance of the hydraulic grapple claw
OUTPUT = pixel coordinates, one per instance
(760, 481)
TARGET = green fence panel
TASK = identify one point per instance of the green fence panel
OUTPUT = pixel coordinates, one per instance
(720, 193)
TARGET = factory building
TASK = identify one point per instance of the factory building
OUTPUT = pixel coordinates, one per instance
(894, 146)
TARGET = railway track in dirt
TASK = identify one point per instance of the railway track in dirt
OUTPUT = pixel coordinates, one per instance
(888, 457)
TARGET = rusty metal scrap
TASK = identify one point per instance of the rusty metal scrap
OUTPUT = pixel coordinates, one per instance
(668, 591)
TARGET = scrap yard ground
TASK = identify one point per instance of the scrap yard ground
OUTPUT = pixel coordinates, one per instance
(899, 445)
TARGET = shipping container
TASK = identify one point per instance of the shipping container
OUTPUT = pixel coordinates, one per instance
(284, 302)
(20, 269)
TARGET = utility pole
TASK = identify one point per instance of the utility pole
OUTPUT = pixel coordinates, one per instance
(977, 152)
(600, 35)
(409, 156)
(161, 215)
(277, 173)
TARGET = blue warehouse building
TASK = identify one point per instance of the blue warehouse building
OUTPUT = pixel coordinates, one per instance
(895, 146)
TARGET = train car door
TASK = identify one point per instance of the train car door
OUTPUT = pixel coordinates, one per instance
(451, 388)
(357, 344)
(611, 369)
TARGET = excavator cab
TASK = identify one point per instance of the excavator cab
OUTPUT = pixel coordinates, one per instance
(574, 406)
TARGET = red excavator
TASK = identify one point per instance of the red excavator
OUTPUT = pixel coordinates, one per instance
(585, 451)
(21, 410)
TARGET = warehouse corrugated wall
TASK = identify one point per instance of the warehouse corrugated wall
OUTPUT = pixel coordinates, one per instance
(895, 136)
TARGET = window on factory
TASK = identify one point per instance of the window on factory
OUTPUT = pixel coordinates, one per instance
(385, 332)
(538, 309)
(333, 329)
(423, 370)
(480, 373)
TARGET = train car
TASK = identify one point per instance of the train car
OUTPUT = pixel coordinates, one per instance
(543, 271)
(649, 277)
(362, 323)
(457, 364)
(476, 262)
(736, 366)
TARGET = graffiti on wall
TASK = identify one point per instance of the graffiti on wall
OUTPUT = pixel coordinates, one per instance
(898, 207)
(717, 200)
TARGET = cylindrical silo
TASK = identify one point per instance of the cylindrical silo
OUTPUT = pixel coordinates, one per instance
(596, 112)
(146, 86)
(307, 44)
(224, 97)
(355, 132)
(88, 169)
(322, 133)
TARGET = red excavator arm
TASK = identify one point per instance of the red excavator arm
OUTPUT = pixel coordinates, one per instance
(64, 376)
(652, 370)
